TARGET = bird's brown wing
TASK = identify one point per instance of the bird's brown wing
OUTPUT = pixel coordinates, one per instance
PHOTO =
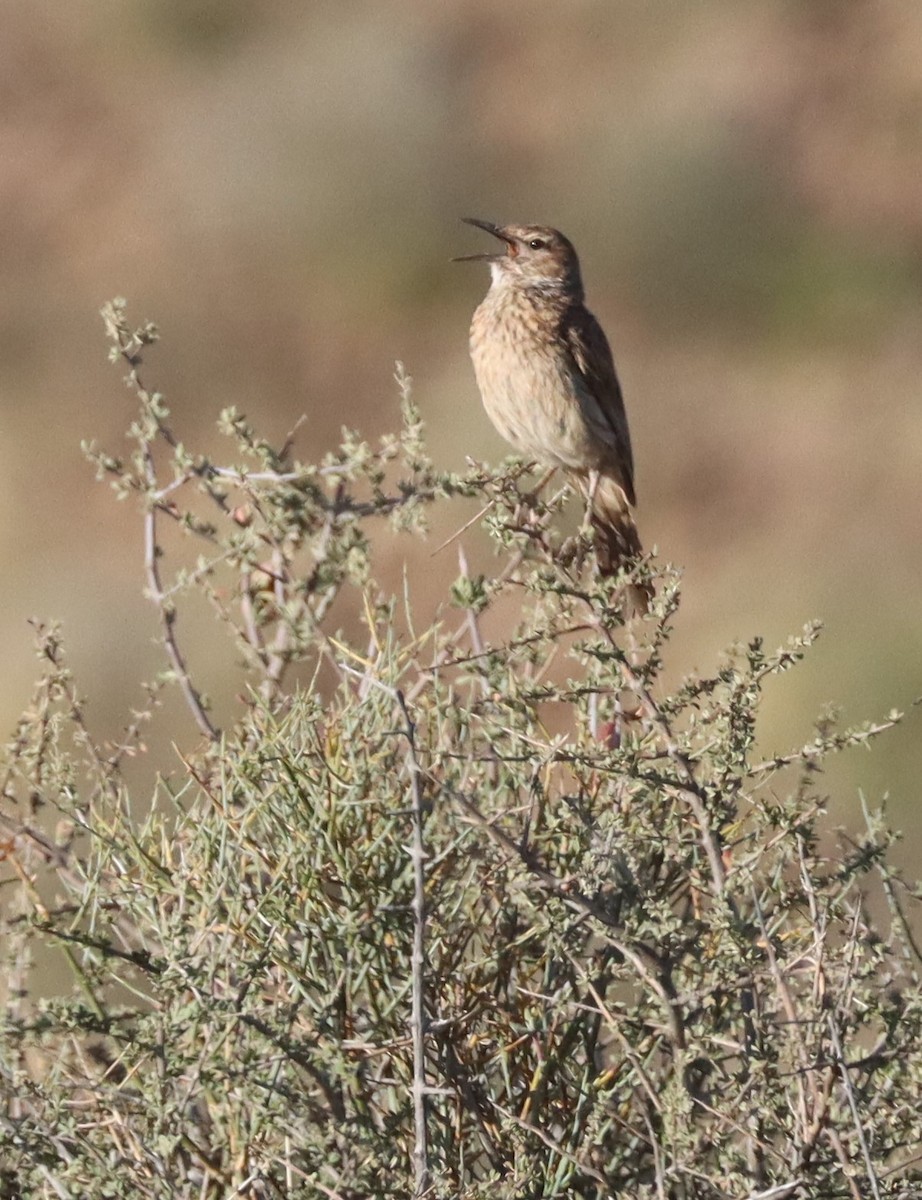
(604, 407)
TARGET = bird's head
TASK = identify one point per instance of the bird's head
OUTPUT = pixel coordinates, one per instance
(533, 255)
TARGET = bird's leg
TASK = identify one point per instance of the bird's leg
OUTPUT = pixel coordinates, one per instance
(585, 529)
(575, 547)
(528, 502)
(531, 496)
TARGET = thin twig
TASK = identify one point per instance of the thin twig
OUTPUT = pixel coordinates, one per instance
(790, 1012)
(418, 959)
(615, 1027)
(129, 348)
(555, 1147)
(453, 639)
(814, 753)
(853, 1106)
(168, 615)
(910, 946)
(778, 1192)
(464, 528)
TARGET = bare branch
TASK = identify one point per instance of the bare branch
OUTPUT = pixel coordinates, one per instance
(167, 612)
(418, 960)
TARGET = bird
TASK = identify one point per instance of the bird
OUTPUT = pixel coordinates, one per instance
(548, 382)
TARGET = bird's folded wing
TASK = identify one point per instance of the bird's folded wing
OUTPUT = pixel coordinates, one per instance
(604, 407)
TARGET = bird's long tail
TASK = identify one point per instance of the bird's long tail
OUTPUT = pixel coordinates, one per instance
(617, 543)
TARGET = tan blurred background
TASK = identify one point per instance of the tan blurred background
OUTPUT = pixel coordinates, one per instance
(278, 185)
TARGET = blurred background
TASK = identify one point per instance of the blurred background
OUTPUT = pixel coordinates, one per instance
(278, 186)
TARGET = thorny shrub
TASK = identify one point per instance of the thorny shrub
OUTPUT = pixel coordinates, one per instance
(472, 918)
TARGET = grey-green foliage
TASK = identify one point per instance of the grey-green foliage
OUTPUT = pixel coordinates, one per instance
(649, 969)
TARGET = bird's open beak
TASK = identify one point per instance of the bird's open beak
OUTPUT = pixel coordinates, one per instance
(488, 227)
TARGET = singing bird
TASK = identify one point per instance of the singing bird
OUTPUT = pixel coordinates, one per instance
(548, 382)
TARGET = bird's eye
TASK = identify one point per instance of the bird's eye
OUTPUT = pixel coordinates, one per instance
(537, 243)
